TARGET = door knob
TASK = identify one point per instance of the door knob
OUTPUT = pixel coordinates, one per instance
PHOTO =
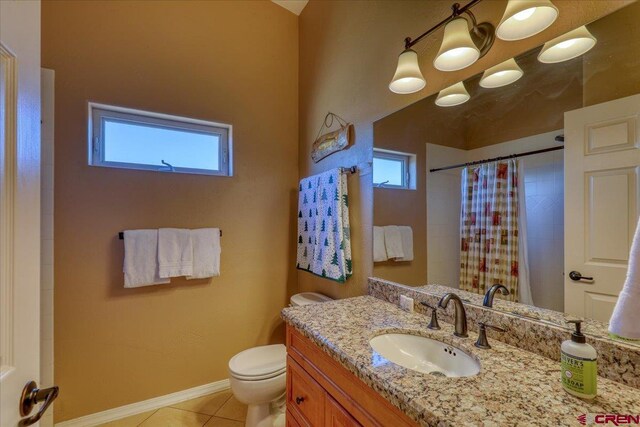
(576, 276)
(31, 396)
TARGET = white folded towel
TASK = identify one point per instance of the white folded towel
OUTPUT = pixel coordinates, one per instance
(406, 235)
(141, 259)
(379, 251)
(393, 242)
(206, 253)
(625, 320)
(175, 252)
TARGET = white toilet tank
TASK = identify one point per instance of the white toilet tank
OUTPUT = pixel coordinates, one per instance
(305, 298)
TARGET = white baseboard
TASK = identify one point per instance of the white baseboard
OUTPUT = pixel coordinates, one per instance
(145, 405)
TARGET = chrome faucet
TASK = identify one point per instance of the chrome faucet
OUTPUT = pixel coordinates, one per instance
(461, 315)
(488, 297)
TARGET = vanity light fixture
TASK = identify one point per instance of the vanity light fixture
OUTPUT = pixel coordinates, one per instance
(567, 46)
(460, 48)
(525, 18)
(453, 95)
(502, 74)
(457, 50)
(408, 78)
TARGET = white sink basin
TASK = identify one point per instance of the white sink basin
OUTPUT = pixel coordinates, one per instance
(425, 355)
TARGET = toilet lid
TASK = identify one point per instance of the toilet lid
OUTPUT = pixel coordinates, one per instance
(259, 363)
(305, 298)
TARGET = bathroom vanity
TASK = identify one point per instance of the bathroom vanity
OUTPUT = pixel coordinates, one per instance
(321, 392)
(336, 378)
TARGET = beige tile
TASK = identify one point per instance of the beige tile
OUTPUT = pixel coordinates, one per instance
(171, 417)
(205, 404)
(132, 421)
(223, 422)
(232, 409)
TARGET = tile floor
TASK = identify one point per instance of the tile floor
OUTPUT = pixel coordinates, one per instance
(215, 410)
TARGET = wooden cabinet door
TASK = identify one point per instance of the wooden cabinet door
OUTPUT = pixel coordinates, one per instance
(305, 397)
(336, 416)
(291, 421)
(361, 403)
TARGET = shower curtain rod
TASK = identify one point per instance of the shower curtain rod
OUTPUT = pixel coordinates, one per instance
(495, 159)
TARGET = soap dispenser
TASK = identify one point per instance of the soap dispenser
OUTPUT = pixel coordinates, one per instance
(578, 364)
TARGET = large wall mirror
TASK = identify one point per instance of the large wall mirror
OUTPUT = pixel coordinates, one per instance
(557, 151)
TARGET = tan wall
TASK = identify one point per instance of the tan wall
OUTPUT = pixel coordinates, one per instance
(212, 60)
(612, 70)
(391, 208)
(348, 53)
(405, 131)
(408, 130)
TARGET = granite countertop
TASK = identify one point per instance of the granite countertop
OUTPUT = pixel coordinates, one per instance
(514, 387)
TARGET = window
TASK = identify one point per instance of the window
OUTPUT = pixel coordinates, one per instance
(393, 169)
(134, 139)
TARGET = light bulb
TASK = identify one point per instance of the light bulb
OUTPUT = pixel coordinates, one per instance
(566, 45)
(525, 14)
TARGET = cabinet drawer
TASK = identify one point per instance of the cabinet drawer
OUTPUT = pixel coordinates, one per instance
(305, 397)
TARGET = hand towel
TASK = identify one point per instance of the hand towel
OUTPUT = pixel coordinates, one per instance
(324, 234)
(625, 320)
(141, 259)
(175, 252)
(393, 242)
(379, 251)
(206, 253)
(406, 237)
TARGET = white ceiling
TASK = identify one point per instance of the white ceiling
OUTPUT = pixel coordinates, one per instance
(294, 6)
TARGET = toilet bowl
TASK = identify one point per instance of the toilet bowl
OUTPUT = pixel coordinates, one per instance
(258, 379)
(258, 376)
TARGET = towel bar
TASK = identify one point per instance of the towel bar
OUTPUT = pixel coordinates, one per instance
(121, 235)
(350, 170)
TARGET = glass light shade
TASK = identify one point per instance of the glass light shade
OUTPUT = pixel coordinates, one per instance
(567, 46)
(502, 74)
(453, 95)
(525, 18)
(457, 50)
(408, 77)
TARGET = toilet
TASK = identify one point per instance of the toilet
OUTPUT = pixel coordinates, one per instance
(258, 375)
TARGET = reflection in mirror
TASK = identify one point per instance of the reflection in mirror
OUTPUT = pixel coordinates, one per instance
(524, 183)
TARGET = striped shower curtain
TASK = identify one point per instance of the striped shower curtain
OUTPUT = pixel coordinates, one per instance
(489, 227)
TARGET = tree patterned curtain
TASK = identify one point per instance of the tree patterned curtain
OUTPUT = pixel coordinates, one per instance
(489, 227)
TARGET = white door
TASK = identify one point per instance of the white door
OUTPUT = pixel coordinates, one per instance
(19, 204)
(602, 161)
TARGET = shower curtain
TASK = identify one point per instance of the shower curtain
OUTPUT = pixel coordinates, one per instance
(489, 228)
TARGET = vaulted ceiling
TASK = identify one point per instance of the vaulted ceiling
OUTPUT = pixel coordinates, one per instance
(294, 6)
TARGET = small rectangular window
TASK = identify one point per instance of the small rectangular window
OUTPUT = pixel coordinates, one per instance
(134, 139)
(392, 169)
